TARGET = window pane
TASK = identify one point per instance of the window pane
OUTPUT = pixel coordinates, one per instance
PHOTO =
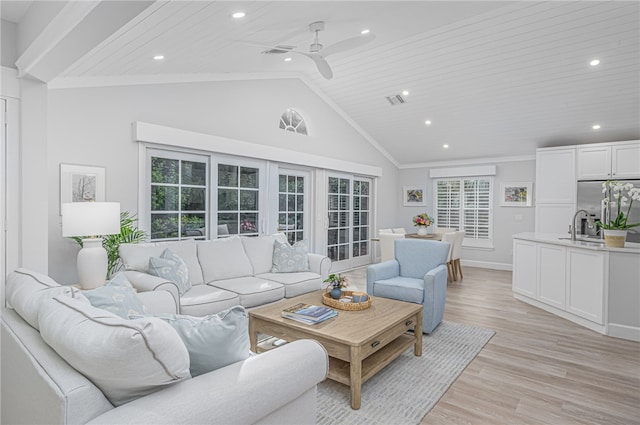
(300, 184)
(282, 202)
(164, 170)
(364, 188)
(291, 202)
(249, 200)
(332, 253)
(164, 198)
(227, 200)
(193, 225)
(342, 252)
(193, 199)
(291, 184)
(227, 175)
(282, 183)
(333, 219)
(332, 236)
(333, 185)
(364, 203)
(333, 202)
(249, 223)
(344, 186)
(299, 222)
(249, 177)
(299, 202)
(164, 226)
(231, 220)
(356, 202)
(194, 173)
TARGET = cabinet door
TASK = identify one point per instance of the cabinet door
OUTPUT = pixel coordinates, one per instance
(554, 218)
(524, 268)
(594, 162)
(626, 161)
(586, 283)
(552, 275)
(556, 176)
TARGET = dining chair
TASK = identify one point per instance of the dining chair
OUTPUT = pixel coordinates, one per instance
(387, 247)
(456, 252)
(444, 230)
(399, 230)
(450, 238)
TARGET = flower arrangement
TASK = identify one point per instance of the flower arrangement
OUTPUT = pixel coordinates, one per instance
(336, 281)
(422, 220)
(617, 200)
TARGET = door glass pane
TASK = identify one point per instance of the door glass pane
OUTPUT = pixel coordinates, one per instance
(230, 220)
(164, 170)
(249, 200)
(227, 175)
(249, 177)
(164, 226)
(194, 199)
(193, 225)
(194, 173)
(227, 200)
(291, 202)
(164, 198)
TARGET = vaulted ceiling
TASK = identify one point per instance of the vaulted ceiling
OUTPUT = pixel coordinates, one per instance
(495, 79)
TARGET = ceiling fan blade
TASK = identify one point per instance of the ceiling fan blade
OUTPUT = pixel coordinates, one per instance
(321, 64)
(349, 43)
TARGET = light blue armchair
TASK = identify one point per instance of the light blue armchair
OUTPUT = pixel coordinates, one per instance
(417, 275)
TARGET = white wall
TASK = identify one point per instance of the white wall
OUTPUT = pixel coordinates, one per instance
(506, 220)
(92, 126)
(8, 43)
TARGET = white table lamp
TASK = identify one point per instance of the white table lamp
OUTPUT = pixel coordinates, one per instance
(93, 220)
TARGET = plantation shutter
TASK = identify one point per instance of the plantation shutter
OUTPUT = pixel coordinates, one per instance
(448, 203)
(477, 197)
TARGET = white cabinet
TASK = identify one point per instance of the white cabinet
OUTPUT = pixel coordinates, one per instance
(524, 275)
(619, 160)
(585, 283)
(554, 218)
(552, 275)
(556, 175)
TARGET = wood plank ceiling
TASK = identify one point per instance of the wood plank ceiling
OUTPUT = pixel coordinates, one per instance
(494, 78)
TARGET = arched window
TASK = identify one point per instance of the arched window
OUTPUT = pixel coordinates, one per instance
(293, 121)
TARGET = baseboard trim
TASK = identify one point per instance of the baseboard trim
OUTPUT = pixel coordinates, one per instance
(487, 265)
(631, 333)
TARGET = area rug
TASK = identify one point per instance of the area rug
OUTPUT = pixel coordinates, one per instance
(408, 388)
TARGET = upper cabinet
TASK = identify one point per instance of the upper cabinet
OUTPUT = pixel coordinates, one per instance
(556, 175)
(609, 161)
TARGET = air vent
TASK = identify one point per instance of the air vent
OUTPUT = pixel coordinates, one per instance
(278, 50)
(396, 99)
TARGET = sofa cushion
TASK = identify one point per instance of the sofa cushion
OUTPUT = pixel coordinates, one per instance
(117, 296)
(136, 256)
(295, 283)
(171, 267)
(204, 299)
(223, 258)
(126, 359)
(400, 288)
(213, 341)
(290, 259)
(26, 290)
(253, 291)
(260, 252)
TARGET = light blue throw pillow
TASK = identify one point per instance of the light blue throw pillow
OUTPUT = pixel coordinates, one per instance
(290, 259)
(117, 296)
(212, 341)
(171, 267)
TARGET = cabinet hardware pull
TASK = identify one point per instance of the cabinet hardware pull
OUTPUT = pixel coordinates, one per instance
(408, 323)
(375, 344)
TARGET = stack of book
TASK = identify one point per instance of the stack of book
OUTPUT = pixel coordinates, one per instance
(309, 313)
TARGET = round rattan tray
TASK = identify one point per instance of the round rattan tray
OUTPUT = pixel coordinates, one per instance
(326, 299)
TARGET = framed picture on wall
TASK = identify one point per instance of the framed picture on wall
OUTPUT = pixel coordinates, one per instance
(516, 194)
(81, 183)
(414, 196)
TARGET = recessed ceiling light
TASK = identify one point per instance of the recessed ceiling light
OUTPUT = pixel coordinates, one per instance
(287, 59)
(405, 92)
(445, 146)
(158, 57)
(596, 126)
(365, 31)
(594, 62)
(427, 122)
(238, 15)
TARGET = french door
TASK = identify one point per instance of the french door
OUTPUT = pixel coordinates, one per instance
(293, 204)
(349, 217)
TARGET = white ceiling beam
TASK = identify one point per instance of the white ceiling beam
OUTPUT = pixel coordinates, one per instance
(79, 27)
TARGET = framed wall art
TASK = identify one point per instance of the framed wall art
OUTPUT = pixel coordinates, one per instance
(82, 183)
(413, 196)
(516, 194)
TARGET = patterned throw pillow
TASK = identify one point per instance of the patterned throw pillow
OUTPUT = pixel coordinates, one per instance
(212, 341)
(171, 267)
(290, 259)
(117, 296)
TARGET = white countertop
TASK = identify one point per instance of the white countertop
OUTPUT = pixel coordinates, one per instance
(564, 239)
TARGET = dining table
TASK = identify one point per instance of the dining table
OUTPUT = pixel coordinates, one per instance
(431, 236)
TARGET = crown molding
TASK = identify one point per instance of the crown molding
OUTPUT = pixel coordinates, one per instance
(474, 161)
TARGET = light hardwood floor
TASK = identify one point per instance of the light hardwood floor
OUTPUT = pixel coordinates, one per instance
(538, 368)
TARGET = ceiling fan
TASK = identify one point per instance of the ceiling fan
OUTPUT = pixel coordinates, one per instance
(317, 52)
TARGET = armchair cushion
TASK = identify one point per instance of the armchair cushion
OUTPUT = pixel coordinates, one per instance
(400, 288)
(117, 296)
(170, 266)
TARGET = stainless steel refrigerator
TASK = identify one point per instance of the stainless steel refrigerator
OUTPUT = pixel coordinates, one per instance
(590, 197)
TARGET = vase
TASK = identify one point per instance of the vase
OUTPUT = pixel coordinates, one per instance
(614, 238)
(422, 230)
(336, 293)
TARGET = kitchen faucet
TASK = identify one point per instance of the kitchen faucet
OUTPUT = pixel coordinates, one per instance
(572, 226)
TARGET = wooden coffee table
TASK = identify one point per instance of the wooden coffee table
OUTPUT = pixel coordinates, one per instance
(359, 343)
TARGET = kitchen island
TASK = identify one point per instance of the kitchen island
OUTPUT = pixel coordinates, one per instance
(582, 281)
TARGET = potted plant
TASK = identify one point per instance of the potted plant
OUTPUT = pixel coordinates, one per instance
(422, 221)
(614, 222)
(336, 282)
(129, 233)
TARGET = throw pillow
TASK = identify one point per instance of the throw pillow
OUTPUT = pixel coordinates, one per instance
(171, 267)
(126, 359)
(117, 296)
(290, 259)
(212, 341)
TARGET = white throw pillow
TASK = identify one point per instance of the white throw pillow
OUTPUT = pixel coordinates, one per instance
(213, 341)
(171, 267)
(117, 296)
(290, 259)
(126, 359)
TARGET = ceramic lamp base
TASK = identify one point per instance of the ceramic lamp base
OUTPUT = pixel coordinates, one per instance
(92, 264)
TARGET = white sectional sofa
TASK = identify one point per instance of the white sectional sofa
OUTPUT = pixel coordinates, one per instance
(41, 387)
(224, 272)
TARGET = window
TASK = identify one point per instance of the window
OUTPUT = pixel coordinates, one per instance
(466, 203)
(238, 200)
(293, 121)
(292, 205)
(178, 195)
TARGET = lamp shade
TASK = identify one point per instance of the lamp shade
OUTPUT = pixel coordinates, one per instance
(90, 218)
